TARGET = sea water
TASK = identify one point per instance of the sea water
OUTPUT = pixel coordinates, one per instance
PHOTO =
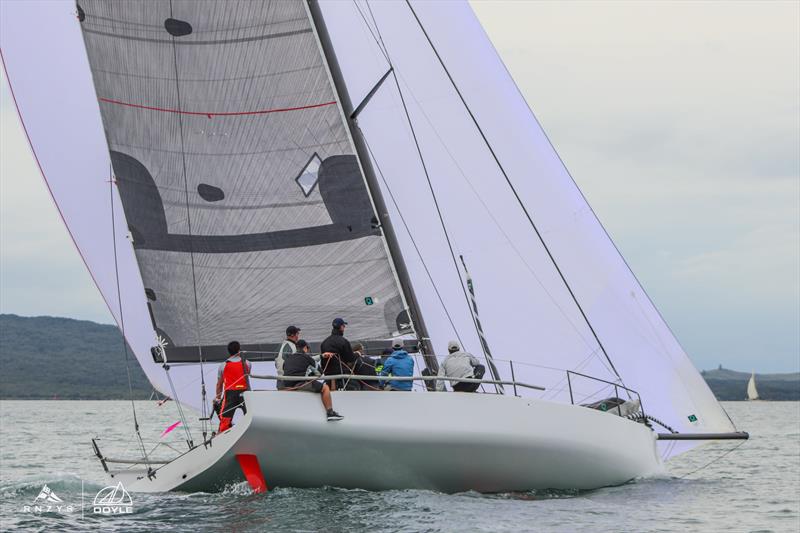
(753, 488)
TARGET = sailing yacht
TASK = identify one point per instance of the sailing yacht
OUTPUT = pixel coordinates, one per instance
(752, 393)
(226, 169)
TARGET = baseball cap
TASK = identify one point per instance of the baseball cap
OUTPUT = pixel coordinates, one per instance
(453, 346)
(339, 322)
(292, 330)
(397, 343)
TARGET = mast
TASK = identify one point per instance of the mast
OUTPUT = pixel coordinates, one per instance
(395, 255)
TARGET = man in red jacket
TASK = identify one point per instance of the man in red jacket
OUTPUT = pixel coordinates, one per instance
(233, 379)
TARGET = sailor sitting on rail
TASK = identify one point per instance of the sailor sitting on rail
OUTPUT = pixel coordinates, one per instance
(233, 379)
(300, 363)
(460, 364)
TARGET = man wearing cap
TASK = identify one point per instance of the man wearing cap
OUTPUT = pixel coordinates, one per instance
(399, 364)
(340, 358)
(287, 347)
(460, 364)
(300, 363)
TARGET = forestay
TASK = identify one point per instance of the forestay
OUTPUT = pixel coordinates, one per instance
(433, 160)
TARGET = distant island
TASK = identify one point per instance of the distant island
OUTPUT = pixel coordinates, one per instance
(61, 358)
(47, 358)
(732, 385)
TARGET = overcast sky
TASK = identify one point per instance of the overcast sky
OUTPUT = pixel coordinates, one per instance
(680, 121)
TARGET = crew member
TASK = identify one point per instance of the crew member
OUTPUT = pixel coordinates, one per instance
(365, 366)
(399, 364)
(233, 379)
(287, 347)
(301, 363)
(460, 364)
(338, 357)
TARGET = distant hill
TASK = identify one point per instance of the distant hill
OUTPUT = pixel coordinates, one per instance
(726, 374)
(732, 385)
(49, 357)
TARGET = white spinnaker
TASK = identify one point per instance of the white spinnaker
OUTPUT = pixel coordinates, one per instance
(527, 313)
(45, 60)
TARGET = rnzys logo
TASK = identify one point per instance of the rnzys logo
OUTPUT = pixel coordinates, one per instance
(47, 502)
(113, 500)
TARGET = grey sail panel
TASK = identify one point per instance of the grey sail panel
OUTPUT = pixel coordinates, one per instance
(244, 198)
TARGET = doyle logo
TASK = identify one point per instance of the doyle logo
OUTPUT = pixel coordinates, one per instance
(113, 500)
(48, 502)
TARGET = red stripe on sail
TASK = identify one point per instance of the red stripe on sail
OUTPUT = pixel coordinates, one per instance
(216, 113)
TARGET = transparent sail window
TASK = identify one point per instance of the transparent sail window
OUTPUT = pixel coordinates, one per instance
(307, 179)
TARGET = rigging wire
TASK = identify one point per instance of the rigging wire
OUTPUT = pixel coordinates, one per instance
(204, 407)
(431, 188)
(379, 42)
(121, 314)
(382, 46)
(410, 236)
(502, 230)
(438, 208)
(511, 186)
(714, 460)
(189, 440)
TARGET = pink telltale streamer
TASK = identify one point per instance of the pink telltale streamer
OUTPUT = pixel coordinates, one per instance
(170, 428)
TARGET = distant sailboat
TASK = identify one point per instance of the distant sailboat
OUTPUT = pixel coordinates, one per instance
(752, 393)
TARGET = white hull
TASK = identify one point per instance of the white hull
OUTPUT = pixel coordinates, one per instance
(448, 442)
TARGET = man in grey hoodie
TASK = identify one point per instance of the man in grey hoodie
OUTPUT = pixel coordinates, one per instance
(460, 364)
(287, 348)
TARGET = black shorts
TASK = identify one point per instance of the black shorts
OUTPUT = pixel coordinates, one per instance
(233, 401)
(303, 386)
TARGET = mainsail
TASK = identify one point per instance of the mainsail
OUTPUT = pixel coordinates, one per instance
(244, 205)
(242, 192)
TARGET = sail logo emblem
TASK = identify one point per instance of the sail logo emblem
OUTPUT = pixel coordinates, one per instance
(113, 500)
(47, 502)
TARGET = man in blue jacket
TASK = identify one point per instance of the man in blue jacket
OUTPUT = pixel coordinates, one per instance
(399, 364)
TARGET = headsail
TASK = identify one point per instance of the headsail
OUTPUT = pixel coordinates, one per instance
(454, 126)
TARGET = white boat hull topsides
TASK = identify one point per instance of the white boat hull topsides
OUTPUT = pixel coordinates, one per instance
(448, 442)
